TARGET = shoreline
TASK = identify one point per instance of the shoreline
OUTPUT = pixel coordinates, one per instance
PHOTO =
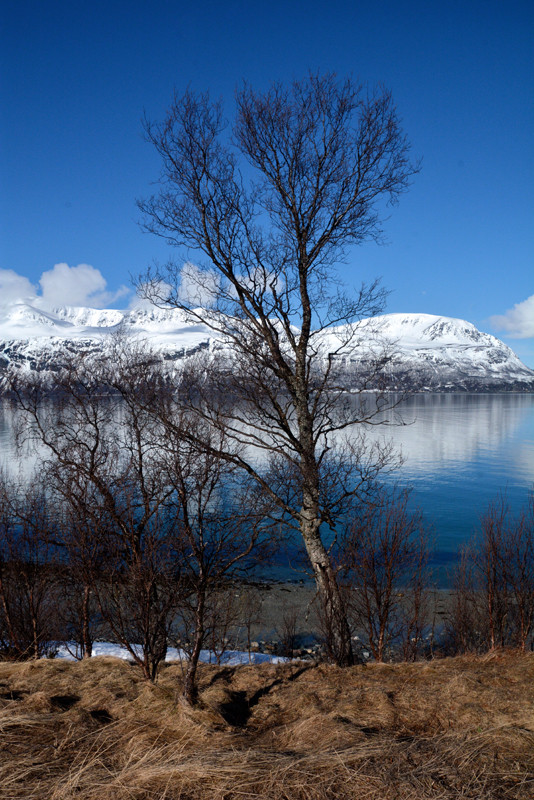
(286, 610)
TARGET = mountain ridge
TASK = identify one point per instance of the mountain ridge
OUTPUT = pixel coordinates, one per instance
(427, 352)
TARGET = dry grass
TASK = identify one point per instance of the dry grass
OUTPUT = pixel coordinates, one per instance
(457, 728)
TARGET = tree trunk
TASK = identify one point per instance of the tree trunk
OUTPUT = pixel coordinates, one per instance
(338, 631)
(8, 618)
(190, 691)
(87, 643)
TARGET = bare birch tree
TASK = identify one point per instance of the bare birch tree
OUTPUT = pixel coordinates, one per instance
(217, 528)
(154, 524)
(268, 208)
(101, 456)
(29, 571)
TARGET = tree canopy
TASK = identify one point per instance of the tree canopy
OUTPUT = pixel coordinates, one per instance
(267, 208)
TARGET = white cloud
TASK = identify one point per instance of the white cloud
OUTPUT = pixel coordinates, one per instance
(60, 286)
(518, 322)
(77, 286)
(15, 288)
(198, 287)
(139, 300)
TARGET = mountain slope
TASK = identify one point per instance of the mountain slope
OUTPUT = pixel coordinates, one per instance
(435, 353)
(427, 352)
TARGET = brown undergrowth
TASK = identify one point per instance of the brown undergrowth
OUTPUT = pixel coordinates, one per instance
(95, 730)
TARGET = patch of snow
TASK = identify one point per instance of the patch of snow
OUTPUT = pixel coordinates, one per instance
(230, 657)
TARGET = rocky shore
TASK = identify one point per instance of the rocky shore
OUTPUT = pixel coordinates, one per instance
(282, 618)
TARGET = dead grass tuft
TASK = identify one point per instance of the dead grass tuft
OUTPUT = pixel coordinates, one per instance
(94, 730)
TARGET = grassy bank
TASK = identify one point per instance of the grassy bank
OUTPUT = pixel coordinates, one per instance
(94, 730)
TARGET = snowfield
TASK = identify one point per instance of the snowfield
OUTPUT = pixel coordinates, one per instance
(426, 352)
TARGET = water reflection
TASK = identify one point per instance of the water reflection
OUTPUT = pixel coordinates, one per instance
(445, 432)
(459, 452)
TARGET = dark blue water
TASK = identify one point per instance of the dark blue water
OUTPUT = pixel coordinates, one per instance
(460, 452)
(463, 450)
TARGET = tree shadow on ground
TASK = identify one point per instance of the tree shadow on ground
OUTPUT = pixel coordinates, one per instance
(237, 710)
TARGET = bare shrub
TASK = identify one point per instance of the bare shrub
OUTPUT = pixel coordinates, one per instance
(222, 621)
(384, 559)
(249, 614)
(29, 572)
(218, 532)
(287, 630)
(493, 585)
(519, 571)
(155, 521)
(103, 464)
(140, 590)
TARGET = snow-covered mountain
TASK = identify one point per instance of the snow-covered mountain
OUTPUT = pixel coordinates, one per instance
(434, 353)
(427, 352)
(31, 338)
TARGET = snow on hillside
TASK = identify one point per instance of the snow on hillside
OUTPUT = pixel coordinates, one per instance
(413, 331)
(428, 352)
(432, 352)
(27, 322)
(35, 339)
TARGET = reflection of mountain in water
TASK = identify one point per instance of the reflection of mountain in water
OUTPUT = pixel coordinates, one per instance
(460, 452)
(441, 432)
(446, 430)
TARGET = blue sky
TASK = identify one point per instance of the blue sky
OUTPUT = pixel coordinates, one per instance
(77, 77)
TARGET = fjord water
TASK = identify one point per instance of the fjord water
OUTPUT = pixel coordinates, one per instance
(460, 452)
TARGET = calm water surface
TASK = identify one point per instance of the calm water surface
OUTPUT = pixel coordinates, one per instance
(460, 451)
